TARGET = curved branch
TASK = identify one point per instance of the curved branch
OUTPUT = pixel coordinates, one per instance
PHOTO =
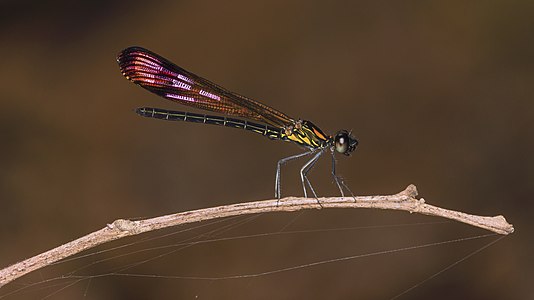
(405, 200)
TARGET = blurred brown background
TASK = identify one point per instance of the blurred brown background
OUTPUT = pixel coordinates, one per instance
(438, 93)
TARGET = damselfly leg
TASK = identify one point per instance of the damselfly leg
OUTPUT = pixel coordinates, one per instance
(338, 180)
(304, 171)
(277, 184)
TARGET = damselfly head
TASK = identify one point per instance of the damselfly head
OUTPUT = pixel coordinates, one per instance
(344, 142)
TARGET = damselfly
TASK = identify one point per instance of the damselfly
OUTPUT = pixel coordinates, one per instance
(160, 76)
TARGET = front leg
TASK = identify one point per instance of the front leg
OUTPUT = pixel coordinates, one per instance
(339, 181)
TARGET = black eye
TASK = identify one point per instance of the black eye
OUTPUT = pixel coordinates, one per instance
(341, 142)
(344, 142)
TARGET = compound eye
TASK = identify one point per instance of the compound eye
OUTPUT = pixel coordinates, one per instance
(341, 143)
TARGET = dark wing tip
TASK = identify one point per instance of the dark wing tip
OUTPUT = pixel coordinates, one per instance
(128, 57)
(130, 51)
(137, 63)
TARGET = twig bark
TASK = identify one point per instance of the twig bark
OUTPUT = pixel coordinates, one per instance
(405, 200)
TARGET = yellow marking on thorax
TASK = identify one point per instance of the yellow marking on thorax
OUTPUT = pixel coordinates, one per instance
(304, 133)
(304, 137)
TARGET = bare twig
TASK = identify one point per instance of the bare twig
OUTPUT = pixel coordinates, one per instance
(405, 200)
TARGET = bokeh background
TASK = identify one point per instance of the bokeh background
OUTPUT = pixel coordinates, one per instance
(439, 94)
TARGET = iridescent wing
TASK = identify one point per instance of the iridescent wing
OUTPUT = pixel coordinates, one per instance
(162, 77)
